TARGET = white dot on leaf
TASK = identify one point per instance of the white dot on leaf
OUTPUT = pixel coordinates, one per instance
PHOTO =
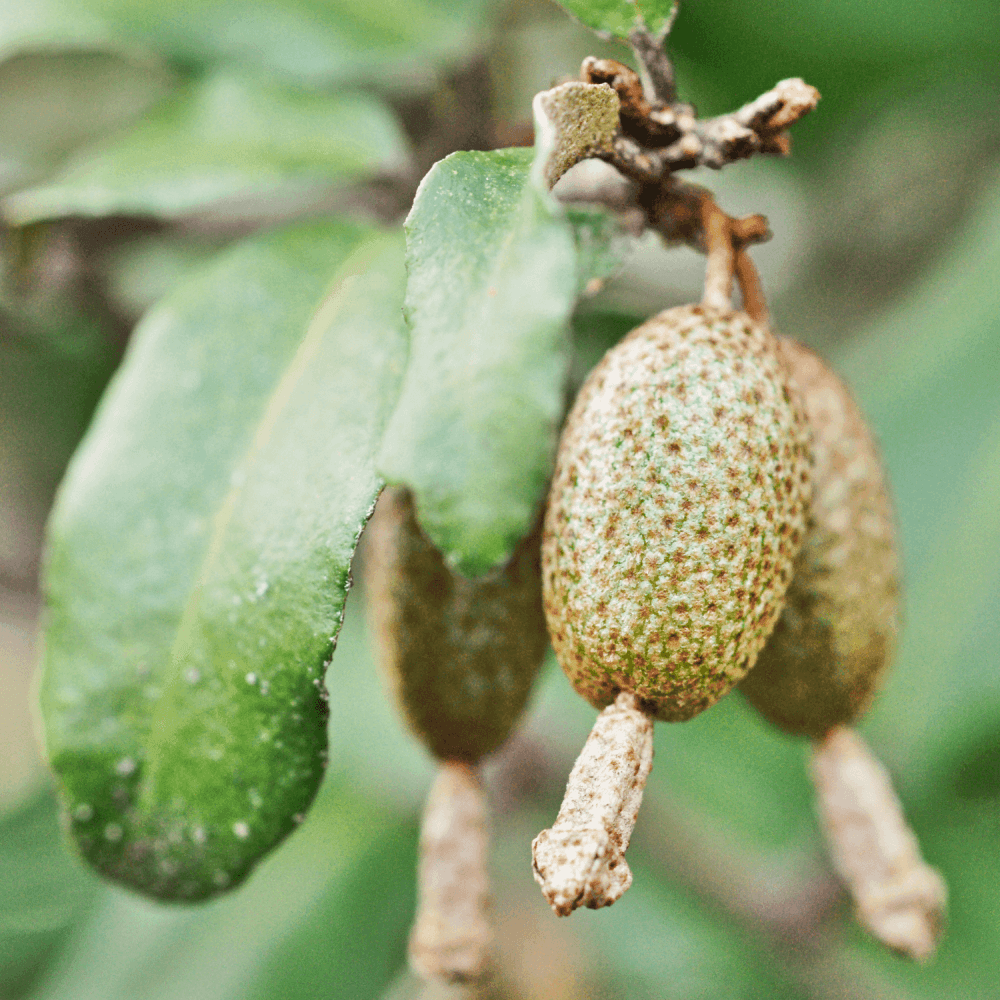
(125, 767)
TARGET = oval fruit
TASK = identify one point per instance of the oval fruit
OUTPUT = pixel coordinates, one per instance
(822, 663)
(676, 512)
(461, 654)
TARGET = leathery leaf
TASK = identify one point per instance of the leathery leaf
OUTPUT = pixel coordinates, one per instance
(199, 556)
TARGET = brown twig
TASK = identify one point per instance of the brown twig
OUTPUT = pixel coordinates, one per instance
(658, 137)
(580, 861)
(671, 128)
(451, 938)
(652, 123)
(677, 212)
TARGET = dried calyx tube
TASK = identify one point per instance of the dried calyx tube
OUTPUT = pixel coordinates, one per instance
(451, 934)
(898, 897)
(580, 860)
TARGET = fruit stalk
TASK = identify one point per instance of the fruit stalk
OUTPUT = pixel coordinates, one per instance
(580, 860)
(720, 256)
(899, 897)
(451, 937)
(748, 278)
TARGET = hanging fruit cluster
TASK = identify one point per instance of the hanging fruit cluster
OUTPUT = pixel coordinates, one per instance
(718, 517)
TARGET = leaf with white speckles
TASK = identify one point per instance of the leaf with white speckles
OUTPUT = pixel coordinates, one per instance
(199, 556)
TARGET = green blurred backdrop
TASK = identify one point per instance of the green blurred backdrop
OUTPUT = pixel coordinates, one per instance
(138, 138)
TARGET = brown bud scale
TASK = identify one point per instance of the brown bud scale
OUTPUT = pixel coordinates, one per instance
(676, 512)
(821, 665)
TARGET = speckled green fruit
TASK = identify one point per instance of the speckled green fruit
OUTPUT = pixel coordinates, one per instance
(676, 512)
(459, 654)
(822, 663)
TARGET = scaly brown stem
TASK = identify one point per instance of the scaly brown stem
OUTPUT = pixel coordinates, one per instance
(580, 861)
(899, 897)
(641, 150)
(451, 938)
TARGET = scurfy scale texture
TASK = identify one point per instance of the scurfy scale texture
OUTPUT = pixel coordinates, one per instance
(460, 655)
(821, 665)
(676, 512)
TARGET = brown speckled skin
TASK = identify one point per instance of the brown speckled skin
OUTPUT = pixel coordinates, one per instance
(460, 655)
(676, 512)
(821, 665)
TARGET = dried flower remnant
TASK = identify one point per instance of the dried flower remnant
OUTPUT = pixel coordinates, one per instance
(580, 861)
(452, 935)
(899, 897)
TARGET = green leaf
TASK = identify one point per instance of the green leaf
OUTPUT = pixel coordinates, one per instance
(200, 551)
(491, 282)
(42, 890)
(322, 42)
(221, 139)
(317, 41)
(601, 246)
(326, 916)
(53, 102)
(493, 276)
(619, 17)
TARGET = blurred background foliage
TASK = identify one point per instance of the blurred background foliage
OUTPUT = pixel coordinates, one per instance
(138, 139)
